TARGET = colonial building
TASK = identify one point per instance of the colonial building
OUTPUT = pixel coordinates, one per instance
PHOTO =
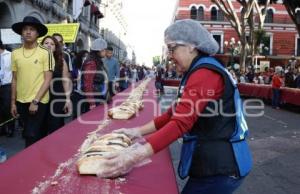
(279, 45)
(55, 11)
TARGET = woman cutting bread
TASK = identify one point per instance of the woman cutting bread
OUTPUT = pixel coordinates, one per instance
(214, 154)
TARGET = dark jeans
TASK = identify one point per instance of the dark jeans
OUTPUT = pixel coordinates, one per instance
(212, 185)
(159, 86)
(275, 98)
(33, 123)
(111, 88)
(56, 115)
(5, 115)
(79, 108)
(123, 85)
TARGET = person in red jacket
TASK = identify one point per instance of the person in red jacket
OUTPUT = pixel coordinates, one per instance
(94, 75)
(276, 84)
(214, 168)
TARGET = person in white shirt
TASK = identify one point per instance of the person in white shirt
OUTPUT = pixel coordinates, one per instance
(5, 90)
(261, 79)
(134, 74)
(242, 79)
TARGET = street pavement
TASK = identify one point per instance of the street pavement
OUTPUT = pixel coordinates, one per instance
(13, 145)
(274, 140)
(275, 143)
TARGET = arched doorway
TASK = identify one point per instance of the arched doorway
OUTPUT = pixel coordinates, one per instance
(5, 16)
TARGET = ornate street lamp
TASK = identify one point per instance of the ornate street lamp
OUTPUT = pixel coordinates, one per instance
(293, 62)
(234, 48)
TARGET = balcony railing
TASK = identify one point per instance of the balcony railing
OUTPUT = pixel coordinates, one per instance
(206, 18)
(209, 18)
(285, 20)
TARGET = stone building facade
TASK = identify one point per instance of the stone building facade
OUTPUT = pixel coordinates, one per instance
(114, 28)
(53, 11)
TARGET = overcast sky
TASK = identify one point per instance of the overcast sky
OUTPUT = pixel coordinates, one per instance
(147, 20)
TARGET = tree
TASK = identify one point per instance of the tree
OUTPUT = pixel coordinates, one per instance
(293, 8)
(156, 60)
(250, 9)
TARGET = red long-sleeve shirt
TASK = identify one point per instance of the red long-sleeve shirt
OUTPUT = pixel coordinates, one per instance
(89, 69)
(276, 82)
(202, 85)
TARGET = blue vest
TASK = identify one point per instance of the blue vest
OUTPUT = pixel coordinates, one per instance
(236, 140)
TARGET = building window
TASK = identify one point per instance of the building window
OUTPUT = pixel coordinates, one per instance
(298, 47)
(218, 38)
(220, 15)
(70, 6)
(85, 12)
(194, 13)
(102, 33)
(248, 38)
(298, 16)
(265, 46)
(269, 16)
(214, 14)
(96, 20)
(200, 15)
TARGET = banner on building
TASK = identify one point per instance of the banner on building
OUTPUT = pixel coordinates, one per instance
(8, 36)
(69, 31)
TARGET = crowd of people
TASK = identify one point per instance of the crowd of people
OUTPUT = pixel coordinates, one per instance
(290, 77)
(44, 85)
(167, 71)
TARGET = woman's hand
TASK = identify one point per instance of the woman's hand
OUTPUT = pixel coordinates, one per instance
(68, 108)
(120, 163)
(132, 133)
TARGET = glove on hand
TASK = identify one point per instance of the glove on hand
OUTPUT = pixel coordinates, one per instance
(132, 133)
(120, 163)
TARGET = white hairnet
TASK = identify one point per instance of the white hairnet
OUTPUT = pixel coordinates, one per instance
(99, 44)
(191, 32)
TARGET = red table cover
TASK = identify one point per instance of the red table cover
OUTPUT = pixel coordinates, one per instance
(255, 90)
(37, 166)
(288, 95)
(171, 82)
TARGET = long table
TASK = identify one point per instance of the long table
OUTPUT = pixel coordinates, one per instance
(48, 166)
(171, 82)
(288, 95)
